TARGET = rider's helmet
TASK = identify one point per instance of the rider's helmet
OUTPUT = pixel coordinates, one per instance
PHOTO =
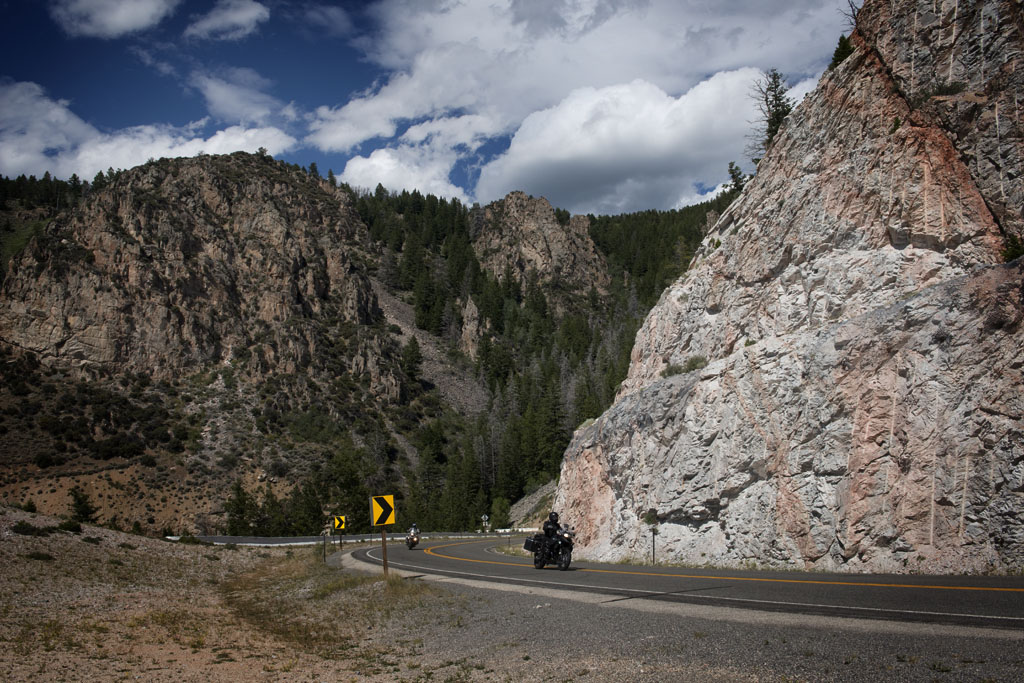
(553, 517)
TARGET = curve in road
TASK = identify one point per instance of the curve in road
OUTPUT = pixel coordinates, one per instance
(987, 601)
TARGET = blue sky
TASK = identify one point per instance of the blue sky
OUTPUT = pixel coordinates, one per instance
(601, 106)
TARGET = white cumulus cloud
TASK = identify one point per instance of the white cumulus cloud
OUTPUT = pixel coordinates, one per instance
(109, 18)
(514, 63)
(612, 149)
(405, 167)
(229, 20)
(236, 95)
(39, 134)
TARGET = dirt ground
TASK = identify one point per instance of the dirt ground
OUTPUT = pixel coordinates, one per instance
(100, 605)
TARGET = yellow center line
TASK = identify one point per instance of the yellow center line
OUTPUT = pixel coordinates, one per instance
(430, 551)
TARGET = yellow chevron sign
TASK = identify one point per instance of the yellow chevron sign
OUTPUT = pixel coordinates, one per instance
(382, 510)
(339, 522)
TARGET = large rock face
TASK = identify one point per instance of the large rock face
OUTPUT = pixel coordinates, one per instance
(861, 407)
(522, 234)
(183, 264)
(962, 67)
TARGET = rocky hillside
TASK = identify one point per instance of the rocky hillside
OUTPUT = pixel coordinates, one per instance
(835, 381)
(193, 323)
(177, 265)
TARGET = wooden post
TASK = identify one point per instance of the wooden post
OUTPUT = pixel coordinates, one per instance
(384, 549)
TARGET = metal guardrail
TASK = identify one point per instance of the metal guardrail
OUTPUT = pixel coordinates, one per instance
(266, 541)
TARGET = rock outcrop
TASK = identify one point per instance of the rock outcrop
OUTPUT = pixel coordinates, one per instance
(860, 405)
(522, 234)
(181, 264)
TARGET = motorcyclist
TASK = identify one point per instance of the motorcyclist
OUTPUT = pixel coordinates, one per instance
(551, 529)
(414, 530)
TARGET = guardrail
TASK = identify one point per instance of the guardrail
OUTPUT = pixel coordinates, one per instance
(349, 538)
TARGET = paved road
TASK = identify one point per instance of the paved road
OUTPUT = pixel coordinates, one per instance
(985, 601)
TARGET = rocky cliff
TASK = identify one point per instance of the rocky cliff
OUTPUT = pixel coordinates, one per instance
(522, 234)
(195, 322)
(860, 405)
(181, 264)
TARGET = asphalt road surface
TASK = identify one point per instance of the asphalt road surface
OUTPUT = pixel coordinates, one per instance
(979, 601)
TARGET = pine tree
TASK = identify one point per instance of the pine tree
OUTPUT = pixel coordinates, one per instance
(843, 50)
(271, 520)
(412, 359)
(773, 106)
(500, 510)
(242, 511)
(737, 177)
(82, 509)
(304, 510)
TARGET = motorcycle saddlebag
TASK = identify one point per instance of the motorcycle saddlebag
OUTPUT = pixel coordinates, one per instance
(530, 544)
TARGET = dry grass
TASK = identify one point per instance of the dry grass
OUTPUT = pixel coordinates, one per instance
(321, 610)
(103, 605)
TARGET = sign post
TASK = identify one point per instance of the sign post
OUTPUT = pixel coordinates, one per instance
(382, 513)
(339, 524)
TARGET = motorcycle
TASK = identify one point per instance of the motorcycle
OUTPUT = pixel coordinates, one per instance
(557, 550)
(411, 539)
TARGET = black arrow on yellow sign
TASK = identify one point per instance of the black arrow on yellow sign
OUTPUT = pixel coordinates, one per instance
(382, 510)
(339, 522)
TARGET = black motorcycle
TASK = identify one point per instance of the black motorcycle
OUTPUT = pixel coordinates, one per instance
(411, 539)
(556, 550)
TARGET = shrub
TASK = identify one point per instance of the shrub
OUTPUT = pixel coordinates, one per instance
(120, 446)
(695, 363)
(672, 369)
(70, 526)
(25, 529)
(36, 555)
(189, 539)
(946, 89)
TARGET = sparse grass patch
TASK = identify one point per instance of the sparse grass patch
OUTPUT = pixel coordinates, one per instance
(183, 626)
(321, 610)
